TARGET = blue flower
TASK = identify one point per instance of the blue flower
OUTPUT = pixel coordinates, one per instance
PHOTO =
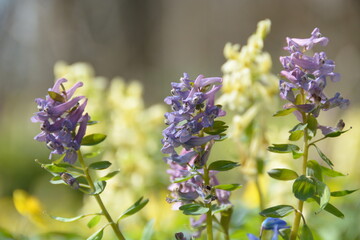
(272, 224)
(63, 122)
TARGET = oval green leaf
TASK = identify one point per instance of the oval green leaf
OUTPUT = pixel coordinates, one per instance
(331, 173)
(324, 157)
(304, 188)
(100, 165)
(314, 169)
(223, 165)
(93, 139)
(99, 187)
(183, 179)
(283, 174)
(277, 211)
(284, 112)
(331, 208)
(283, 148)
(63, 219)
(94, 221)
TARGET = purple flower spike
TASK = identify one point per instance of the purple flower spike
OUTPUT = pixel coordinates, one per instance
(308, 75)
(63, 122)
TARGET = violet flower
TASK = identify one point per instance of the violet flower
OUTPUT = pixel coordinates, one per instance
(308, 75)
(63, 122)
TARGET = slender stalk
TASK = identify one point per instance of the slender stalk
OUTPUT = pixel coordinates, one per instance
(208, 205)
(113, 225)
(298, 213)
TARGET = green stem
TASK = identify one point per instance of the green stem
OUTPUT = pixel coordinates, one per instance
(208, 205)
(298, 213)
(113, 225)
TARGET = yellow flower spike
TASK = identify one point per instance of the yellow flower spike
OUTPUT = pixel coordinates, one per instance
(263, 28)
(29, 206)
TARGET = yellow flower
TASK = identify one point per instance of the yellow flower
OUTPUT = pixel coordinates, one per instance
(29, 206)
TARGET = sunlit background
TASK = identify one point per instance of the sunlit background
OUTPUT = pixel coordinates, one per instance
(154, 42)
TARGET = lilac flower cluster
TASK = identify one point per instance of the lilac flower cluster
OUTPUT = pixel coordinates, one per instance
(194, 111)
(193, 108)
(59, 115)
(309, 75)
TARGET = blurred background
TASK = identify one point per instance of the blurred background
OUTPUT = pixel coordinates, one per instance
(153, 42)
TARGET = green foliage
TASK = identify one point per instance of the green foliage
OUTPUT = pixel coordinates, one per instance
(297, 132)
(323, 156)
(194, 209)
(100, 165)
(109, 176)
(342, 193)
(92, 154)
(323, 191)
(183, 179)
(218, 128)
(312, 125)
(56, 96)
(223, 165)
(99, 187)
(94, 221)
(93, 139)
(278, 211)
(304, 187)
(306, 233)
(137, 206)
(97, 235)
(283, 174)
(286, 148)
(148, 230)
(330, 208)
(331, 173)
(336, 133)
(284, 112)
(216, 208)
(63, 219)
(314, 169)
(228, 187)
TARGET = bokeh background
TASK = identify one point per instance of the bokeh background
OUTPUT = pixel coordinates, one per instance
(153, 42)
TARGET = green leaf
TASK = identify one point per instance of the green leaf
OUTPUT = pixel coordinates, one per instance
(223, 165)
(62, 219)
(314, 169)
(137, 206)
(324, 157)
(193, 209)
(92, 154)
(296, 135)
(101, 165)
(342, 193)
(56, 96)
(228, 187)
(183, 179)
(108, 176)
(297, 154)
(217, 128)
(331, 208)
(324, 193)
(148, 230)
(298, 127)
(283, 174)
(57, 180)
(331, 173)
(225, 218)
(93, 139)
(53, 168)
(216, 208)
(94, 221)
(99, 187)
(284, 112)
(304, 188)
(306, 233)
(312, 125)
(277, 211)
(97, 235)
(336, 133)
(283, 148)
